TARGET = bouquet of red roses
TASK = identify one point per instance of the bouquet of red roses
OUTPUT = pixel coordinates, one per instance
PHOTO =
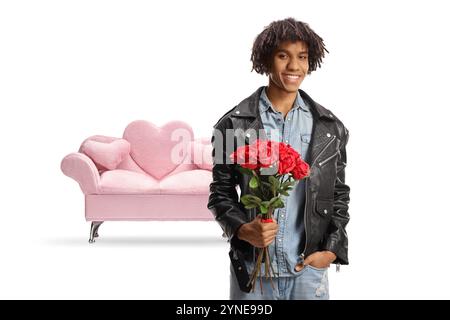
(273, 167)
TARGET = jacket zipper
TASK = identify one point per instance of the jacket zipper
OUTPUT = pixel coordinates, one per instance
(320, 153)
(305, 216)
(321, 163)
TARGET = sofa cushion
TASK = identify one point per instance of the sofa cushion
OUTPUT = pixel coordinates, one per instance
(158, 150)
(106, 154)
(127, 182)
(187, 182)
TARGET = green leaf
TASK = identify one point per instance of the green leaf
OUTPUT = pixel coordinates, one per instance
(278, 203)
(284, 193)
(250, 206)
(245, 171)
(254, 198)
(249, 199)
(275, 184)
(264, 206)
(273, 200)
(254, 183)
(265, 203)
(274, 181)
(245, 201)
(288, 183)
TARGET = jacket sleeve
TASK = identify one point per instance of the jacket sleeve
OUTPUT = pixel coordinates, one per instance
(336, 239)
(223, 198)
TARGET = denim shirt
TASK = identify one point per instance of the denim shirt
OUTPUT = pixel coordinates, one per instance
(295, 129)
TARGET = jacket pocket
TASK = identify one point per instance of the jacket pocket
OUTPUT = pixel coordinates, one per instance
(324, 207)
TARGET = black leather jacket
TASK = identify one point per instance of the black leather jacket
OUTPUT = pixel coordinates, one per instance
(327, 195)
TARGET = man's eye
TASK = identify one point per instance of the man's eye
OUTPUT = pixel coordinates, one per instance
(282, 56)
(303, 57)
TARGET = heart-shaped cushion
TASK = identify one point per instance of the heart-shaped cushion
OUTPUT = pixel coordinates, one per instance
(106, 154)
(158, 150)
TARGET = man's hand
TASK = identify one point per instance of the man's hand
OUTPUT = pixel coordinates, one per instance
(258, 233)
(318, 259)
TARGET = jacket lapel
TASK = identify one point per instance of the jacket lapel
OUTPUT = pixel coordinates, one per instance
(249, 108)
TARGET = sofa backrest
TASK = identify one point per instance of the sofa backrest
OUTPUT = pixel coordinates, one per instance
(157, 151)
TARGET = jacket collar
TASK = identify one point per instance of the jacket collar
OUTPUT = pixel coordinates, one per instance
(249, 107)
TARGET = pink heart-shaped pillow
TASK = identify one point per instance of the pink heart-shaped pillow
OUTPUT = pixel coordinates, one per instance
(106, 154)
(158, 150)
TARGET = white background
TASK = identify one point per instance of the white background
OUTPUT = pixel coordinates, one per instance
(71, 69)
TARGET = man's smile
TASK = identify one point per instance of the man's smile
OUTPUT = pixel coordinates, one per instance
(291, 78)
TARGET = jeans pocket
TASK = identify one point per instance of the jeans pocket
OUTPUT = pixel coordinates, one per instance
(317, 269)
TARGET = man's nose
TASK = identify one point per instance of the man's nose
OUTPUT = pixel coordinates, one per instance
(293, 65)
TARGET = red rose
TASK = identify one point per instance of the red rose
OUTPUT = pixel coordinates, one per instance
(288, 159)
(267, 152)
(246, 156)
(301, 170)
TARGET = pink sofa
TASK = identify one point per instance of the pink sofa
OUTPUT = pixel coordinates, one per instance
(152, 173)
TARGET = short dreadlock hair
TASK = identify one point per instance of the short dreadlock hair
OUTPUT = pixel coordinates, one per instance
(278, 31)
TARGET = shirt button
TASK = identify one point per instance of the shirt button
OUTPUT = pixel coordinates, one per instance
(237, 112)
(282, 215)
(287, 141)
(328, 135)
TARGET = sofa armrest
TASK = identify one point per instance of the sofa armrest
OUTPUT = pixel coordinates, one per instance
(83, 170)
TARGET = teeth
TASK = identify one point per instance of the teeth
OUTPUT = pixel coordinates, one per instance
(292, 76)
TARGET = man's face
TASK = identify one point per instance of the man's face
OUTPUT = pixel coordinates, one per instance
(289, 65)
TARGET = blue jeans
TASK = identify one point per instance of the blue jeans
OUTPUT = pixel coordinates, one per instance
(310, 283)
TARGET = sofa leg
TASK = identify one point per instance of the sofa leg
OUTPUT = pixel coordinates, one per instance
(94, 230)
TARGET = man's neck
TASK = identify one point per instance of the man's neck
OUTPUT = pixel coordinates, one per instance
(281, 100)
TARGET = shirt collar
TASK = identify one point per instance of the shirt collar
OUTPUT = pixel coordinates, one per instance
(249, 107)
(266, 104)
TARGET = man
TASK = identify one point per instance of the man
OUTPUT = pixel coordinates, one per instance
(308, 234)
